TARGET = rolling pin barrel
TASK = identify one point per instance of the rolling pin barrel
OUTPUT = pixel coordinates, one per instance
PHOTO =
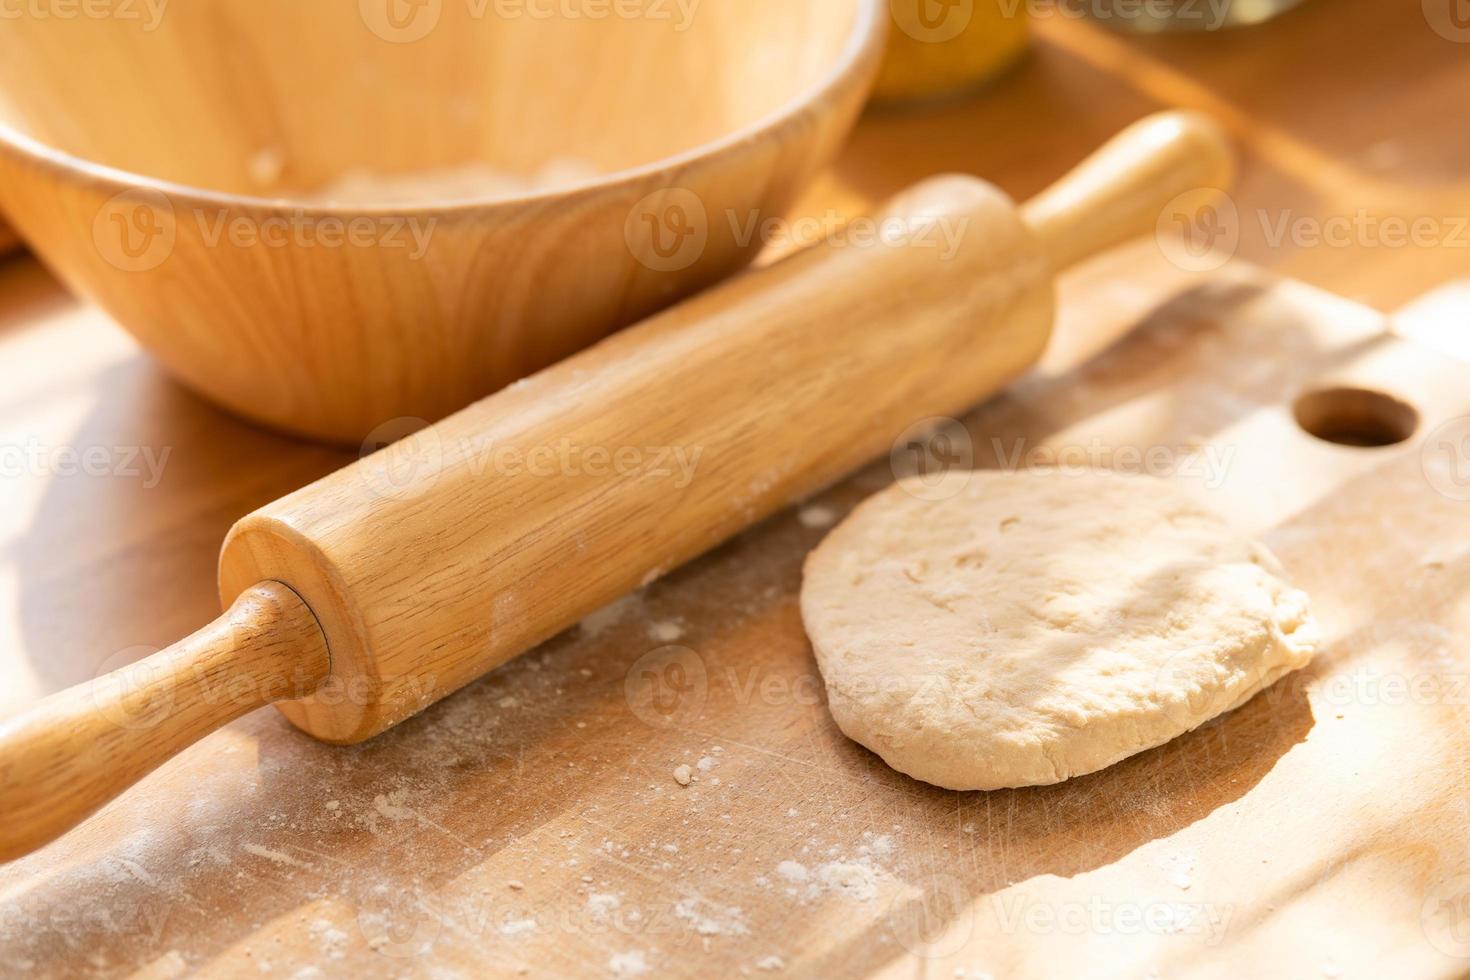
(442, 556)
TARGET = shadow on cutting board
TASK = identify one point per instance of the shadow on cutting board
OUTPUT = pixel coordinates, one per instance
(500, 782)
(119, 563)
(541, 773)
(546, 774)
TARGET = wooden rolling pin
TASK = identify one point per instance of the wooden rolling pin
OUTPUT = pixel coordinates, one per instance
(363, 598)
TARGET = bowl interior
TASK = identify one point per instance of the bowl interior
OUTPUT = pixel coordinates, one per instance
(284, 98)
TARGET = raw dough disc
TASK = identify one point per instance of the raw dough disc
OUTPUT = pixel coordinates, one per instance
(1040, 625)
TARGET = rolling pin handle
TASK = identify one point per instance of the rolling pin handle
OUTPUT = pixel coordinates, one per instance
(77, 749)
(1124, 189)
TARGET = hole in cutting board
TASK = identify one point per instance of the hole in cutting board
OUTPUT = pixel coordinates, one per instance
(1356, 416)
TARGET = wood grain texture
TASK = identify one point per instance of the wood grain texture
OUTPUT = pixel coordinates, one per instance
(257, 867)
(448, 553)
(80, 747)
(597, 476)
(1241, 847)
(1120, 192)
(179, 199)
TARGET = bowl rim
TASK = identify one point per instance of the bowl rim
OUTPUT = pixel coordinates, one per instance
(862, 48)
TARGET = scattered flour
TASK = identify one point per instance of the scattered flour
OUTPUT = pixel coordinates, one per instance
(793, 872)
(516, 927)
(1171, 918)
(392, 806)
(705, 764)
(630, 964)
(857, 880)
(665, 630)
(715, 921)
(474, 180)
(854, 879)
(816, 515)
(609, 615)
(601, 905)
(770, 964)
(1179, 869)
(331, 939)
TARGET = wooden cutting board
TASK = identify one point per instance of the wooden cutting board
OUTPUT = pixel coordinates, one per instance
(533, 821)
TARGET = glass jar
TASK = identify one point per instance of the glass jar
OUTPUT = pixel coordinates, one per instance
(940, 47)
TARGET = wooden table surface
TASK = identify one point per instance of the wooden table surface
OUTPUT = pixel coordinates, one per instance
(1350, 115)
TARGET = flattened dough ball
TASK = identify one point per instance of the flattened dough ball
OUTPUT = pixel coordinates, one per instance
(1041, 625)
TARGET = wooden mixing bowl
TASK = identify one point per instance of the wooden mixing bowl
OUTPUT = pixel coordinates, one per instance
(185, 170)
